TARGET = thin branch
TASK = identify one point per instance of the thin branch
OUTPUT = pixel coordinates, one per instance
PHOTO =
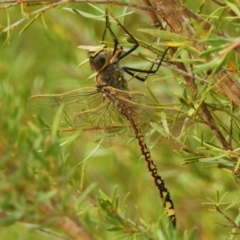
(219, 3)
(156, 21)
(39, 11)
(112, 2)
(234, 225)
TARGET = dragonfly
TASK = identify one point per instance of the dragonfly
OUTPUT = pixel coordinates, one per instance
(107, 112)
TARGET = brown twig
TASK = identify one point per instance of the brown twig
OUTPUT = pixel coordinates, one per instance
(233, 224)
(156, 21)
(112, 2)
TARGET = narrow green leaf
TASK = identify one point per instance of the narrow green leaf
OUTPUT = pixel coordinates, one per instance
(190, 160)
(8, 30)
(237, 220)
(85, 14)
(97, 8)
(56, 121)
(215, 160)
(217, 41)
(83, 62)
(163, 34)
(29, 23)
(211, 50)
(165, 124)
(151, 93)
(85, 193)
(46, 196)
(158, 128)
(234, 8)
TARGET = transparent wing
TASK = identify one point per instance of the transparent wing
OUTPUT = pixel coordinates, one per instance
(67, 106)
(104, 125)
(93, 113)
(140, 107)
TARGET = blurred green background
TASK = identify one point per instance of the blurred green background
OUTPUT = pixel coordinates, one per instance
(39, 167)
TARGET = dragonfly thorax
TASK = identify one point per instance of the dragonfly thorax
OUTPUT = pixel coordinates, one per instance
(104, 60)
(112, 75)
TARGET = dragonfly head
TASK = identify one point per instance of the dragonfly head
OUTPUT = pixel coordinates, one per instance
(100, 57)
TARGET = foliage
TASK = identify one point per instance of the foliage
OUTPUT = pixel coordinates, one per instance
(53, 184)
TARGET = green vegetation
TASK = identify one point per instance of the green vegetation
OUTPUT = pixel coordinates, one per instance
(54, 184)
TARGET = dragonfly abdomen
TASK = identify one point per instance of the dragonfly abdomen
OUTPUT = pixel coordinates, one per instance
(130, 113)
(159, 182)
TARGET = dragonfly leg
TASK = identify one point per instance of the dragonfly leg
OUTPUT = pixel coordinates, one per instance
(131, 71)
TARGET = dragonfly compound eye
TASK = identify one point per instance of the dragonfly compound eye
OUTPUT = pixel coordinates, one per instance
(98, 62)
(100, 57)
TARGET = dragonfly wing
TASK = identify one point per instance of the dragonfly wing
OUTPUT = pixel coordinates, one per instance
(143, 109)
(63, 106)
(140, 107)
(103, 125)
